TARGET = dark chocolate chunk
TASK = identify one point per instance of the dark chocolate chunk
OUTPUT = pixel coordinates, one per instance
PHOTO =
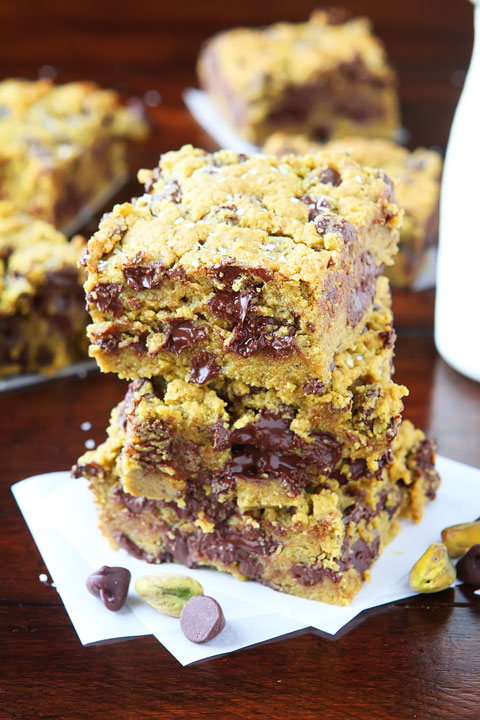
(332, 223)
(330, 176)
(254, 463)
(201, 619)
(183, 335)
(308, 575)
(110, 584)
(230, 305)
(124, 542)
(316, 205)
(362, 555)
(220, 436)
(106, 296)
(227, 273)
(313, 387)
(258, 335)
(271, 431)
(468, 567)
(204, 367)
(134, 504)
(140, 277)
(364, 293)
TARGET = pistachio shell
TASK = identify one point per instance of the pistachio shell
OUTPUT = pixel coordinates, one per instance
(460, 538)
(169, 592)
(434, 571)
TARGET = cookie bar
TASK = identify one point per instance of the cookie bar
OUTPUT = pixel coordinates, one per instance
(416, 179)
(318, 543)
(326, 77)
(249, 268)
(42, 304)
(62, 148)
(178, 432)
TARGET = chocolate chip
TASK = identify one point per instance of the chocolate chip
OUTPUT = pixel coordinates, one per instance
(331, 223)
(468, 567)
(230, 305)
(140, 277)
(227, 273)
(204, 368)
(201, 619)
(106, 296)
(110, 584)
(330, 176)
(316, 205)
(183, 335)
(257, 335)
(313, 387)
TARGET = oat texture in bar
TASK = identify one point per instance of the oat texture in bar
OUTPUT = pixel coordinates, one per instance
(327, 77)
(42, 303)
(416, 178)
(248, 268)
(62, 147)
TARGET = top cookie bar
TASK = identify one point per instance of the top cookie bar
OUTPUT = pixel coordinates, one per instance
(250, 267)
(326, 78)
(62, 147)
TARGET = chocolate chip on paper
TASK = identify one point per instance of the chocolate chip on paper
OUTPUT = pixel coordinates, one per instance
(468, 567)
(201, 619)
(110, 584)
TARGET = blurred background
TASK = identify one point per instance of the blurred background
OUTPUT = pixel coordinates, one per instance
(137, 47)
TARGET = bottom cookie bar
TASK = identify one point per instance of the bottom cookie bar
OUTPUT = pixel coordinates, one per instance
(319, 545)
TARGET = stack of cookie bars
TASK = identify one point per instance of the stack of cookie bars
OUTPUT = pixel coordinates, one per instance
(261, 433)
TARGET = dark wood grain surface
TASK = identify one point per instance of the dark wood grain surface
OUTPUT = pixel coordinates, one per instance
(417, 658)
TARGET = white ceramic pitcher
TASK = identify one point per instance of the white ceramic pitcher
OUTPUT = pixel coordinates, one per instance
(457, 309)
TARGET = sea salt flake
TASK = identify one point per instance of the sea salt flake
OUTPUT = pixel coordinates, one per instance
(283, 169)
(170, 243)
(43, 578)
(89, 444)
(295, 200)
(86, 426)
(240, 211)
(178, 221)
(350, 362)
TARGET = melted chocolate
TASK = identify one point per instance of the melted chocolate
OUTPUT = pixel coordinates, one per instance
(204, 367)
(183, 335)
(141, 277)
(257, 335)
(227, 273)
(230, 305)
(106, 296)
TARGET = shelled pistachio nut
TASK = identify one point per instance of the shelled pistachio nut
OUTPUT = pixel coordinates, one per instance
(460, 538)
(434, 571)
(169, 592)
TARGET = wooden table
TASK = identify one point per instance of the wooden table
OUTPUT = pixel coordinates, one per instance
(417, 658)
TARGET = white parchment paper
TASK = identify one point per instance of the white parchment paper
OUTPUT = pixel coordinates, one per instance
(60, 513)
